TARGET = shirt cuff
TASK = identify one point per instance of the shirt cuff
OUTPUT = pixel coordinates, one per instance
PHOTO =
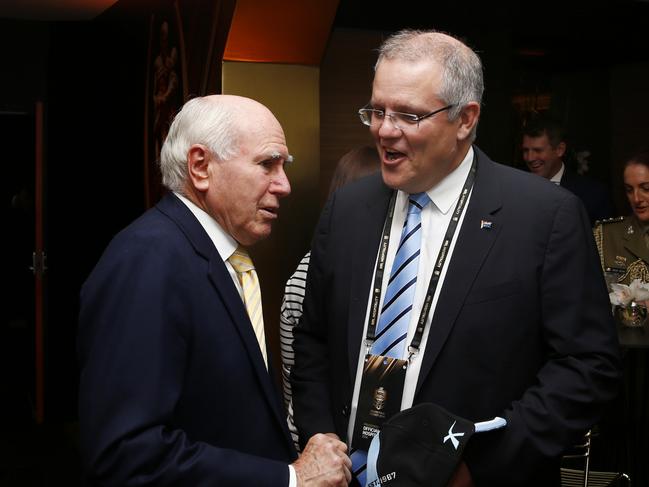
(292, 477)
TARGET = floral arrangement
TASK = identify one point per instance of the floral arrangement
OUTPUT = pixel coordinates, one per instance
(624, 295)
(630, 303)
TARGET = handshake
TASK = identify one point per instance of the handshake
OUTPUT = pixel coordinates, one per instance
(324, 461)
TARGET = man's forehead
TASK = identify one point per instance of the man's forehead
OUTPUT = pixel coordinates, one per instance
(392, 86)
(393, 69)
(537, 140)
(264, 137)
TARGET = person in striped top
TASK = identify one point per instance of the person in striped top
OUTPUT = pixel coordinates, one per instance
(353, 165)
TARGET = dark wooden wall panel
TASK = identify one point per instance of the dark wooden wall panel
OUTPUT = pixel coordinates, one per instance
(345, 86)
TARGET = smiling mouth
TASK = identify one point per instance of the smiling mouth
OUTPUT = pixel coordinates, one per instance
(391, 155)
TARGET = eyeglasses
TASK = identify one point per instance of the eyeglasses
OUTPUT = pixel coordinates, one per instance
(402, 121)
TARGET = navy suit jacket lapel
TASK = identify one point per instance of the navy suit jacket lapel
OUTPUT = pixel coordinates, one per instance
(225, 288)
(471, 249)
(371, 220)
(567, 180)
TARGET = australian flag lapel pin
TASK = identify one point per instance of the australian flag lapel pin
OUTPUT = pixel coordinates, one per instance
(485, 224)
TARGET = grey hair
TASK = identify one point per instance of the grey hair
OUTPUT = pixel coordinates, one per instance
(462, 79)
(200, 121)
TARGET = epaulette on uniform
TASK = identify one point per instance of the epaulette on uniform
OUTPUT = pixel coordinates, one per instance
(610, 220)
(598, 233)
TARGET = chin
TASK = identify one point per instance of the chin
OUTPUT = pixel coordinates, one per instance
(259, 234)
(643, 218)
(396, 181)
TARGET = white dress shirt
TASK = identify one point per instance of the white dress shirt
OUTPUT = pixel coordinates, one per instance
(435, 218)
(223, 241)
(556, 179)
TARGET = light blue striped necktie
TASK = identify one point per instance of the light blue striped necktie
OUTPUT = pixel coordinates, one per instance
(393, 323)
(392, 328)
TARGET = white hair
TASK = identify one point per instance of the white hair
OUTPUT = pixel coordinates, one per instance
(462, 80)
(200, 121)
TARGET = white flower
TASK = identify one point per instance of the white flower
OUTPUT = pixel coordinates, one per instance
(623, 295)
(639, 290)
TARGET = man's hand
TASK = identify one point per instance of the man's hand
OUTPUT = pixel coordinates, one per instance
(461, 477)
(324, 461)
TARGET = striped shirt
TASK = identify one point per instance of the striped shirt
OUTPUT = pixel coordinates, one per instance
(291, 312)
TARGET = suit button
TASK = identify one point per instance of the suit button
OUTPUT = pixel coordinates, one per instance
(345, 411)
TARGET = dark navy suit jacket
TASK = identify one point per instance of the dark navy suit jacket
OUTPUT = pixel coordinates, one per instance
(174, 390)
(593, 194)
(522, 328)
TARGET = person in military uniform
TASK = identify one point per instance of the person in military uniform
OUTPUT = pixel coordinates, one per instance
(623, 242)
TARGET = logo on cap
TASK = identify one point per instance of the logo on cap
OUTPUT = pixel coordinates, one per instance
(453, 436)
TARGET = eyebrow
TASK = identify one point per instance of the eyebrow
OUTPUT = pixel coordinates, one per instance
(401, 108)
(277, 155)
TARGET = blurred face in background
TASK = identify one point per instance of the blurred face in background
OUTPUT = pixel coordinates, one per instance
(636, 186)
(541, 157)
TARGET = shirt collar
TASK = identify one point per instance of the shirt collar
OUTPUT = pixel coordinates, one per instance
(557, 177)
(223, 242)
(447, 191)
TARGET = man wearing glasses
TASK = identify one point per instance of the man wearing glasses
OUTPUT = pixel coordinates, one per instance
(452, 280)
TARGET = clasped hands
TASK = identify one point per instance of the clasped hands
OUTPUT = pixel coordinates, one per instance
(324, 462)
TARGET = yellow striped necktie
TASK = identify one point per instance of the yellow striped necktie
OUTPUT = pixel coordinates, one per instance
(245, 269)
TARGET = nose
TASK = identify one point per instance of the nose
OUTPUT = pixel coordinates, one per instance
(635, 196)
(279, 184)
(526, 156)
(387, 129)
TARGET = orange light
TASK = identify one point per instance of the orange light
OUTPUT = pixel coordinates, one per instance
(54, 9)
(280, 31)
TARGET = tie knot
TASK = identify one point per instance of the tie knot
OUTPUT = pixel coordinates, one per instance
(418, 202)
(241, 261)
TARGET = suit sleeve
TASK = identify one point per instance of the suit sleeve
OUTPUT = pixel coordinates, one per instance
(134, 349)
(311, 372)
(582, 370)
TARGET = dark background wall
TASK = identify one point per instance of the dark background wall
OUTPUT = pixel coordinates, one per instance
(92, 79)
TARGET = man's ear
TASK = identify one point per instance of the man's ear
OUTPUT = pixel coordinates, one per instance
(468, 119)
(560, 149)
(198, 158)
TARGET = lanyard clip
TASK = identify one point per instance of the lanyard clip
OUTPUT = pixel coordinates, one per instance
(412, 351)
